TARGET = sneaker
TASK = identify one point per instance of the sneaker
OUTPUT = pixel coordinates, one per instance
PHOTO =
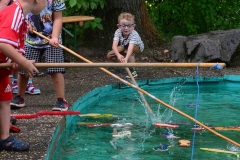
(31, 89)
(17, 101)
(14, 87)
(61, 105)
(134, 73)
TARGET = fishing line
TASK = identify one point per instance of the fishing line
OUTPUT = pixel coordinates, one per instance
(196, 112)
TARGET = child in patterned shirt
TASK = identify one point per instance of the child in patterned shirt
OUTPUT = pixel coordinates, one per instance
(126, 42)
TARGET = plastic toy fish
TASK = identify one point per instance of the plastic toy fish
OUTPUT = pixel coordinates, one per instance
(162, 147)
(168, 135)
(177, 123)
(191, 105)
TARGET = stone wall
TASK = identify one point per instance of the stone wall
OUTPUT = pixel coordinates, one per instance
(215, 46)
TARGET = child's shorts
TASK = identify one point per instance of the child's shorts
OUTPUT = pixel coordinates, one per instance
(5, 89)
(112, 56)
(50, 55)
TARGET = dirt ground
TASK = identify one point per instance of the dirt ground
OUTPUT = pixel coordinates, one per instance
(79, 81)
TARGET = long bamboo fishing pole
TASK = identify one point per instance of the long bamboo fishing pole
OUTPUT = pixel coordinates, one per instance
(140, 93)
(145, 92)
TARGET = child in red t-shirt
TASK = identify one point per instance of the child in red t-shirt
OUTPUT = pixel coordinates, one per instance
(13, 29)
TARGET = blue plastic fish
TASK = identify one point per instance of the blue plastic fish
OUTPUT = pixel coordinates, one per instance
(168, 135)
(162, 147)
(192, 105)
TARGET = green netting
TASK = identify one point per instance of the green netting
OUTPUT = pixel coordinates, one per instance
(218, 105)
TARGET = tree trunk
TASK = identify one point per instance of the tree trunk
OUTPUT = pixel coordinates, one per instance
(109, 15)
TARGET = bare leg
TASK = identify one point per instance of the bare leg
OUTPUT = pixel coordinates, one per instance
(22, 84)
(59, 84)
(131, 59)
(15, 73)
(4, 119)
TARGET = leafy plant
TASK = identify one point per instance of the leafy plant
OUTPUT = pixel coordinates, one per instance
(187, 17)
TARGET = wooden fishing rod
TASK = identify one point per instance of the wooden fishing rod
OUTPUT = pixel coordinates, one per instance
(145, 92)
(140, 93)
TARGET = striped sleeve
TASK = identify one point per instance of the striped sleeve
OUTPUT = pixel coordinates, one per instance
(117, 35)
(9, 27)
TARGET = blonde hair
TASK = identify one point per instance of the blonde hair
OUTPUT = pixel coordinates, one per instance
(127, 16)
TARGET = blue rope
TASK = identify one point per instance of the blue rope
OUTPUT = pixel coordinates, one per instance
(196, 112)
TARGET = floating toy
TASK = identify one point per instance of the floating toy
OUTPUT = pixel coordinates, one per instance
(89, 115)
(162, 147)
(121, 124)
(163, 125)
(183, 143)
(177, 123)
(199, 128)
(103, 116)
(230, 128)
(220, 151)
(168, 135)
(98, 125)
(122, 134)
(96, 115)
(191, 105)
(86, 123)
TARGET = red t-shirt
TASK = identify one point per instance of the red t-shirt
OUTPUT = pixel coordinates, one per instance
(13, 29)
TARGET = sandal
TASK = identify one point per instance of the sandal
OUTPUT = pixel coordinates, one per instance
(30, 89)
(10, 144)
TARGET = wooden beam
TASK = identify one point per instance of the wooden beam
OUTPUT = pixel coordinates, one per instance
(120, 65)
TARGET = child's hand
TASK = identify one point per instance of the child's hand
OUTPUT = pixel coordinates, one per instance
(120, 58)
(29, 68)
(15, 66)
(124, 60)
(31, 29)
(54, 42)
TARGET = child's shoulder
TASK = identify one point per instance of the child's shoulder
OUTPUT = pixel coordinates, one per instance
(135, 33)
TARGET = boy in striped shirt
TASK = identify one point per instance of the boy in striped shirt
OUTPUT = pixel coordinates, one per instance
(126, 42)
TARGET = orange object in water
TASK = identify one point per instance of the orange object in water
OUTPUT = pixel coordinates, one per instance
(98, 125)
(163, 125)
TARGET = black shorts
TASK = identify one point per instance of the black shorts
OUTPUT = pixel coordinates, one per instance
(50, 54)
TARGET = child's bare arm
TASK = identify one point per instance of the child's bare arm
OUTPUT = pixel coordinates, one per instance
(26, 65)
(57, 28)
(129, 52)
(114, 48)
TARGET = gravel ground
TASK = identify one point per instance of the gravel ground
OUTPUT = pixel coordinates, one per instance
(79, 81)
